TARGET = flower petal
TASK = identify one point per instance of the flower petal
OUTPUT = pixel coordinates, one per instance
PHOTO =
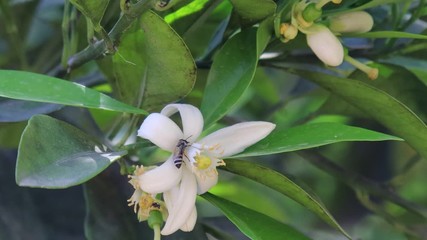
(161, 178)
(205, 182)
(184, 201)
(325, 45)
(236, 138)
(161, 131)
(191, 221)
(192, 119)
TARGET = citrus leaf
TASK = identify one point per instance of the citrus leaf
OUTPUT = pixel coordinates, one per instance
(41, 88)
(253, 224)
(284, 185)
(54, 154)
(312, 135)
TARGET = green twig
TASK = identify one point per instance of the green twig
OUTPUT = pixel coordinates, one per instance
(13, 34)
(100, 47)
(356, 182)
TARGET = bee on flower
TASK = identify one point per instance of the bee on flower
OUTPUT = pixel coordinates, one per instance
(191, 168)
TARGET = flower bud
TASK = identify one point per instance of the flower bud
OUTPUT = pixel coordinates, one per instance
(325, 45)
(288, 31)
(352, 22)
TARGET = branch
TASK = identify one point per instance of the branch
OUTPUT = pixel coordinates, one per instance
(358, 182)
(100, 47)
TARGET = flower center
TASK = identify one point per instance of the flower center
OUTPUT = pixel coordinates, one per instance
(202, 162)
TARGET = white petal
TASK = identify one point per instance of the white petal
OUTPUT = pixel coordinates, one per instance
(192, 119)
(205, 182)
(160, 179)
(170, 197)
(191, 221)
(184, 203)
(161, 131)
(236, 138)
(325, 45)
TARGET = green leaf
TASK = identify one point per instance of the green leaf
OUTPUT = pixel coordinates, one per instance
(379, 105)
(401, 84)
(386, 34)
(310, 136)
(366, 5)
(232, 71)
(41, 88)
(284, 185)
(153, 66)
(253, 224)
(54, 154)
(187, 10)
(254, 10)
(92, 9)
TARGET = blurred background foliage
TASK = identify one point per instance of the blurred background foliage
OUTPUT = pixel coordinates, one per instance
(375, 190)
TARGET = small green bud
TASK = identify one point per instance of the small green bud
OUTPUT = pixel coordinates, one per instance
(311, 13)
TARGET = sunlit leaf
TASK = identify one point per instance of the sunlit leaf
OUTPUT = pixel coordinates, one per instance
(54, 154)
(253, 224)
(310, 136)
(42, 88)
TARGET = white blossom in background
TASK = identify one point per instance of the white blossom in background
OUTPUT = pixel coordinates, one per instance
(352, 22)
(197, 174)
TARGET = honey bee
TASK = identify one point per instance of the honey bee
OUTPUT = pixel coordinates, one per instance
(179, 152)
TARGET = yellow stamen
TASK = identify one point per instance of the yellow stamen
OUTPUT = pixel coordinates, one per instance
(146, 202)
(220, 162)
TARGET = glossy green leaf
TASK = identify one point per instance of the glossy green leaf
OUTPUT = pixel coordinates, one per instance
(387, 34)
(41, 88)
(54, 154)
(254, 10)
(284, 185)
(153, 66)
(310, 136)
(232, 71)
(378, 104)
(401, 84)
(189, 9)
(253, 224)
(92, 9)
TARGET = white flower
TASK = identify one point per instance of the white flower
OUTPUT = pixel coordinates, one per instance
(197, 174)
(325, 45)
(352, 22)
